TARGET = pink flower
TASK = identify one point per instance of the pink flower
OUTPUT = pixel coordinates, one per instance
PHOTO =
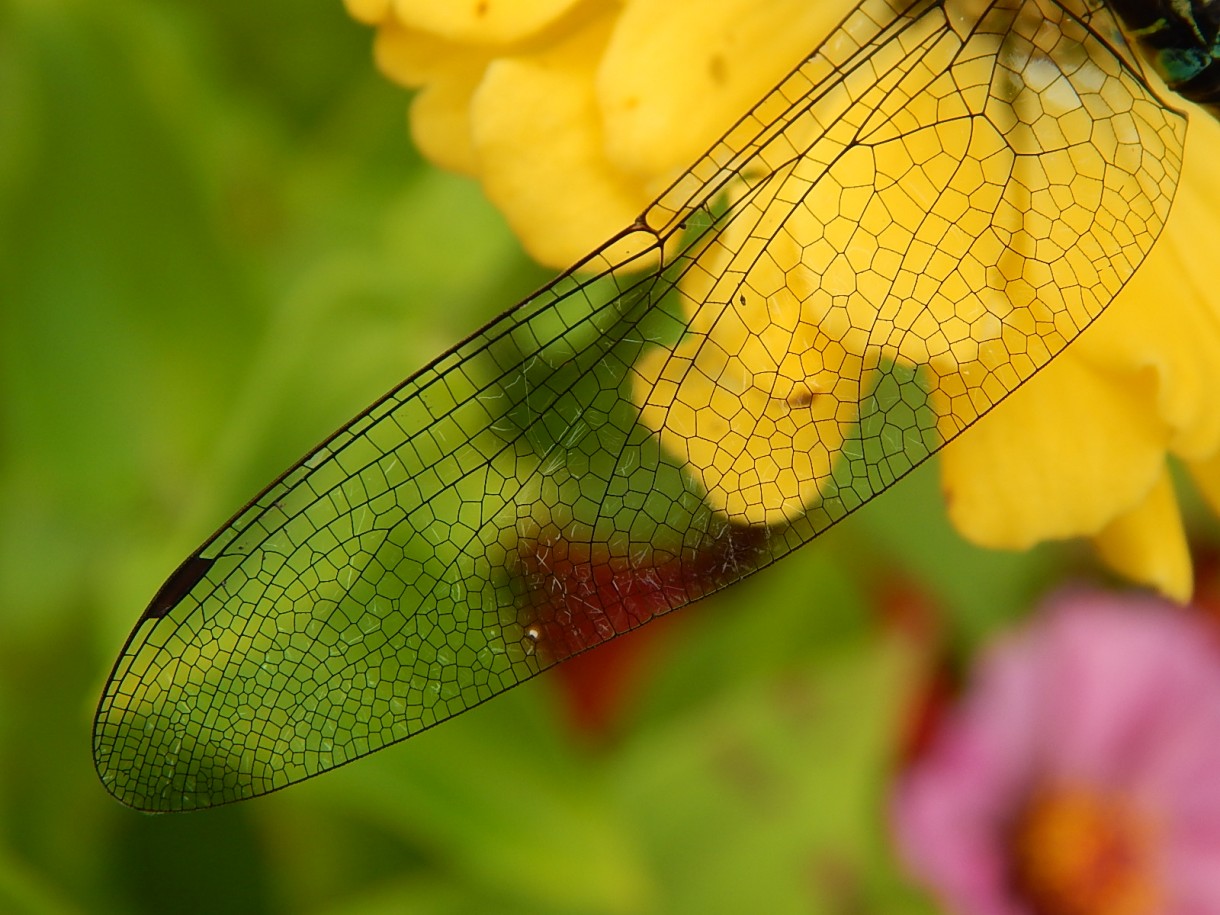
(1081, 772)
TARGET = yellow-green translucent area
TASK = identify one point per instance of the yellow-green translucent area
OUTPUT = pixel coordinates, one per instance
(375, 590)
(354, 604)
(927, 192)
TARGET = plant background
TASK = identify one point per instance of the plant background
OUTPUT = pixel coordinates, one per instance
(216, 245)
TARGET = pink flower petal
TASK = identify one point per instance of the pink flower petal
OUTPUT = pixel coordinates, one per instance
(1114, 695)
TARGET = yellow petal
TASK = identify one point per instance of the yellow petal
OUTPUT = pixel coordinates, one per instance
(1060, 458)
(538, 138)
(1200, 177)
(1206, 477)
(1148, 544)
(676, 76)
(1165, 324)
(1173, 347)
(368, 11)
(413, 58)
(1196, 215)
(440, 125)
(449, 74)
(481, 21)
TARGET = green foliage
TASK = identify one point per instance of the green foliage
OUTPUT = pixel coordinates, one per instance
(216, 245)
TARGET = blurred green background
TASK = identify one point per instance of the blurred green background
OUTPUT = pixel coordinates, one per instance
(216, 245)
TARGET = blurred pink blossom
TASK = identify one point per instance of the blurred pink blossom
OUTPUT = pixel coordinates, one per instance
(1080, 773)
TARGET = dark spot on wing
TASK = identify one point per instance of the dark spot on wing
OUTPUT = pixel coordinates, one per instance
(177, 586)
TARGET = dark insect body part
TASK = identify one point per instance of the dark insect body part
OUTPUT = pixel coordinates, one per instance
(1181, 39)
(923, 214)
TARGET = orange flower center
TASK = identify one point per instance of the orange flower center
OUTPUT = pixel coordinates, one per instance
(1078, 852)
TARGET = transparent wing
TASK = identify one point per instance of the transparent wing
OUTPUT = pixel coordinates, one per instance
(939, 200)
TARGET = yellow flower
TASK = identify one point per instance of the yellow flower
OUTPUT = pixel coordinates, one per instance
(575, 116)
(1080, 450)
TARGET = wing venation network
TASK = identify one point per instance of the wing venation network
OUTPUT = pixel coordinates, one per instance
(940, 199)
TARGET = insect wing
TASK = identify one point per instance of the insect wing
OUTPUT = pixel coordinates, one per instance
(939, 200)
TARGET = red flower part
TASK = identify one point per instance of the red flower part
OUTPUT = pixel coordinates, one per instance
(907, 609)
(580, 596)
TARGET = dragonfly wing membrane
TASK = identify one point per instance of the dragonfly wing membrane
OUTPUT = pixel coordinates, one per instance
(939, 200)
